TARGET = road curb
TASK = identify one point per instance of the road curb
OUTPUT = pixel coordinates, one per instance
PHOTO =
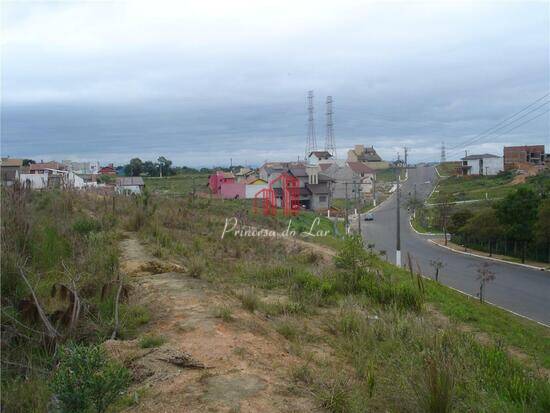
(489, 258)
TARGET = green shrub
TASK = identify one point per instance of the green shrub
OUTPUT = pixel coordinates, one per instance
(223, 312)
(86, 380)
(151, 341)
(25, 396)
(84, 226)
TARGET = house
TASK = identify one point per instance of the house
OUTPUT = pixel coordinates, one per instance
(9, 168)
(42, 167)
(82, 167)
(313, 188)
(218, 179)
(52, 178)
(271, 170)
(485, 164)
(129, 184)
(244, 174)
(253, 185)
(350, 178)
(317, 157)
(367, 156)
(515, 156)
(107, 170)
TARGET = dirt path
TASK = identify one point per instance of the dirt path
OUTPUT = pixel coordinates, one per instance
(206, 363)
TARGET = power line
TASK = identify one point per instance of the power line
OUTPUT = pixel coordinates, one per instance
(482, 136)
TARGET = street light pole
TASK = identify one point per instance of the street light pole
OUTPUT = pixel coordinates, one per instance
(398, 233)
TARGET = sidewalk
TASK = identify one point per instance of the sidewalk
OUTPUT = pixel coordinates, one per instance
(503, 258)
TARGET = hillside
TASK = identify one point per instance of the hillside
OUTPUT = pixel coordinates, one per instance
(248, 323)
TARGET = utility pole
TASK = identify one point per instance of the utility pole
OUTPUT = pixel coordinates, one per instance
(347, 221)
(406, 150)
(374, 189)
(358, 192)
(398, 234)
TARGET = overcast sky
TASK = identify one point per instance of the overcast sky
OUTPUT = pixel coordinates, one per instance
(203, 81)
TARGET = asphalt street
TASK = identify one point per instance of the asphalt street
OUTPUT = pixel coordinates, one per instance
(522, 290)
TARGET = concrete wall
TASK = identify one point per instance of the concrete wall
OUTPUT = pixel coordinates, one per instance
(489, 166)
(319, 202)
(34, 181)
(251, 190)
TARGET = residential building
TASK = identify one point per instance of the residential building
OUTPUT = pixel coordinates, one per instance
(515, 156)
(41, 167)
(244, 174)
(314, 188)
(82, 167)
(317, 157)
(485, 164)
(218, 179)
(129, 184)
(108, 170)
(271, 170)
(367, 156)
(9, 168)
(350, 177)
(52, 178)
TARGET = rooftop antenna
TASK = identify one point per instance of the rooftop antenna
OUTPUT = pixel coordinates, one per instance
(443, 157)
(311, 144)
(329, 140)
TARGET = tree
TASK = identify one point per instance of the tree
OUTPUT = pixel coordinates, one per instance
(484, 275)
(134, 168)
(27, 162)
(150, 168)
(518, 214)
(444, 208)
(459, 219)
(437, 265)
(484, 226)
(542, 227)
(164, 166)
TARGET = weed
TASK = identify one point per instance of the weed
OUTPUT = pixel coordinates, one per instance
(151, 341)
(223, 312)
(250, 301)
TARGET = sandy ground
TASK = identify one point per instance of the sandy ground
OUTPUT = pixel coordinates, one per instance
(206, 364)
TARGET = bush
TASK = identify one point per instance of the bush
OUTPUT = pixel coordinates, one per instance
(84, 226)
(87, 380)
(151, 341)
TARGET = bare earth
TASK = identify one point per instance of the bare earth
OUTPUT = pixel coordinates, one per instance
(206, 364)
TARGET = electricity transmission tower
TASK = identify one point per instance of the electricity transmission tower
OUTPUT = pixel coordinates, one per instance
(330, 146)
(311, 144)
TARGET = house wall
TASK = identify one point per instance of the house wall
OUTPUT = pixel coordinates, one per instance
(233, 190)
(319, 202)
(491, 166)
(134, 189)
(251, 190)
(34, 181)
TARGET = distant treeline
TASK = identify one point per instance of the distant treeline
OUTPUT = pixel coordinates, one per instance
(163, 167)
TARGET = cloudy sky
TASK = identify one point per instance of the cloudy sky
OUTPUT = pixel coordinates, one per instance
(203, 82)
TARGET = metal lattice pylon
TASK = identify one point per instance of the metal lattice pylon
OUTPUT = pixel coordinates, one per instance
(311, 143)
(330, 146)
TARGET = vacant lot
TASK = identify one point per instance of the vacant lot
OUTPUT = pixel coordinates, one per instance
(250, 323)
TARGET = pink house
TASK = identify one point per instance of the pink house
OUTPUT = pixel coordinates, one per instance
(233, 190)
(218, 179)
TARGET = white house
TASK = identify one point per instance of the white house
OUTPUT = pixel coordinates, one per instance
(485, 164)
(52, 178)
(129, 184)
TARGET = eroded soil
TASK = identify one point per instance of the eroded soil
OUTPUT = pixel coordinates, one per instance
(237, 365)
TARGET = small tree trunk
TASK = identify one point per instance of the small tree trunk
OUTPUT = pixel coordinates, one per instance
(523, 250)
(490, 248)
(437, 274)
(481, 292)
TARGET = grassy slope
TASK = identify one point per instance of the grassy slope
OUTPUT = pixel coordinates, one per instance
(178, 184)
(474, 187)
(381, 354)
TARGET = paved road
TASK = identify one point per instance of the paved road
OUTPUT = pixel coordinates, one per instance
(519, 289)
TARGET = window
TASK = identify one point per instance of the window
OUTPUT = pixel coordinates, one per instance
(322, 198)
